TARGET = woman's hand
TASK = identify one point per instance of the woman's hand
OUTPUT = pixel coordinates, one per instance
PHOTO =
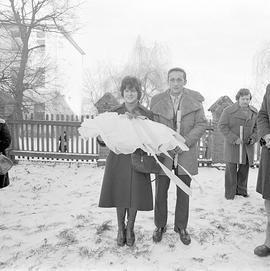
(134, 116)
(130, 115)
(100, 141)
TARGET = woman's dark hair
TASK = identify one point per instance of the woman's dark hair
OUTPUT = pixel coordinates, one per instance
(243, 92)
(176, 69)
(131, 82)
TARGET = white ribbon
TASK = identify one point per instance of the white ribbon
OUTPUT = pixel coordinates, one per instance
(167, 171)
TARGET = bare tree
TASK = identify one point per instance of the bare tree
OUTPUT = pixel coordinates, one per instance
(103, 80)
(28, 16)
(149, 64)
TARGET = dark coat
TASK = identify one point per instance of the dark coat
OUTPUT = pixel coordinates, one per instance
(5, 140)
(122, 186)
(193, 124)
(263, 181)
(229, 124)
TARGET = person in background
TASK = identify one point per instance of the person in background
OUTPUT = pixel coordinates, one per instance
(63, 140)
(263, 180)
(239, 114)
(5, 140)
(187, 104)
(123, 187)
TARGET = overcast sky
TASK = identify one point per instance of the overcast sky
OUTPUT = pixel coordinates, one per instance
(215, 41)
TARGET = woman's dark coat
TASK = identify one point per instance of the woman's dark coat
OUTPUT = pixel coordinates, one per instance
(5, 140)
(229, 124)
(122, 186)
(263, 181)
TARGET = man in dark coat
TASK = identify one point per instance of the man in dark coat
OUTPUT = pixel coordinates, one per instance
(234, 116)
(166, 106)
(5, 140)
(263, 181)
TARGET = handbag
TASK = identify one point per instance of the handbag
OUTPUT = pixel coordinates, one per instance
(144, 163)
(5, 164)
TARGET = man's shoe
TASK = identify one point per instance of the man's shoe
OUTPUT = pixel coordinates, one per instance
(243, 195)
(157, 235)
(262, 251)
(184, 237)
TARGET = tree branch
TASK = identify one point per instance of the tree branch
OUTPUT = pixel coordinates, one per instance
(36, 47)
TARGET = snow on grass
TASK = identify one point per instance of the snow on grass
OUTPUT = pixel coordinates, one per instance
(49, 220)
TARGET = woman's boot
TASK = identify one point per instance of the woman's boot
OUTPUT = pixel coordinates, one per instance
(121, 235)
(130, 236)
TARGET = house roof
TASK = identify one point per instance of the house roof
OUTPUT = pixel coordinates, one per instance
(55, 102)
(220, 102)
(106, 102)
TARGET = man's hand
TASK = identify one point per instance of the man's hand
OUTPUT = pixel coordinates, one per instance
(177, 150)
(238, 141)
(267, 140)
(267, 137)
(268, 144)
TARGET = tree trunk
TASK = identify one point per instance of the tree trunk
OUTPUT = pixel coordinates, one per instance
(19, 87)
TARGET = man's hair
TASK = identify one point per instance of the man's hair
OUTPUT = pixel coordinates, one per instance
(176, 69)
(130, 82)
(243, 92)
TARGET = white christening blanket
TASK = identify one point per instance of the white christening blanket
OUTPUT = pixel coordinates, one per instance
(122, 134)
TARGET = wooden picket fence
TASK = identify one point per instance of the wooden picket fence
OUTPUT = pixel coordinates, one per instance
(41, 139)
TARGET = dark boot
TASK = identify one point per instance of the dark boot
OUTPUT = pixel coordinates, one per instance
(121, 235)
(130, 235)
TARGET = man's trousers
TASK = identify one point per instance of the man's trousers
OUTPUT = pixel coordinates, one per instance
(267, 209)
(236, 179)
(161, 203)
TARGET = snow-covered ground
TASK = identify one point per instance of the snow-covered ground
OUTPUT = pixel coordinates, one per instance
(49, 220)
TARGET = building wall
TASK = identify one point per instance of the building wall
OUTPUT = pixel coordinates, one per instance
(67, 75)
(60, 63)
